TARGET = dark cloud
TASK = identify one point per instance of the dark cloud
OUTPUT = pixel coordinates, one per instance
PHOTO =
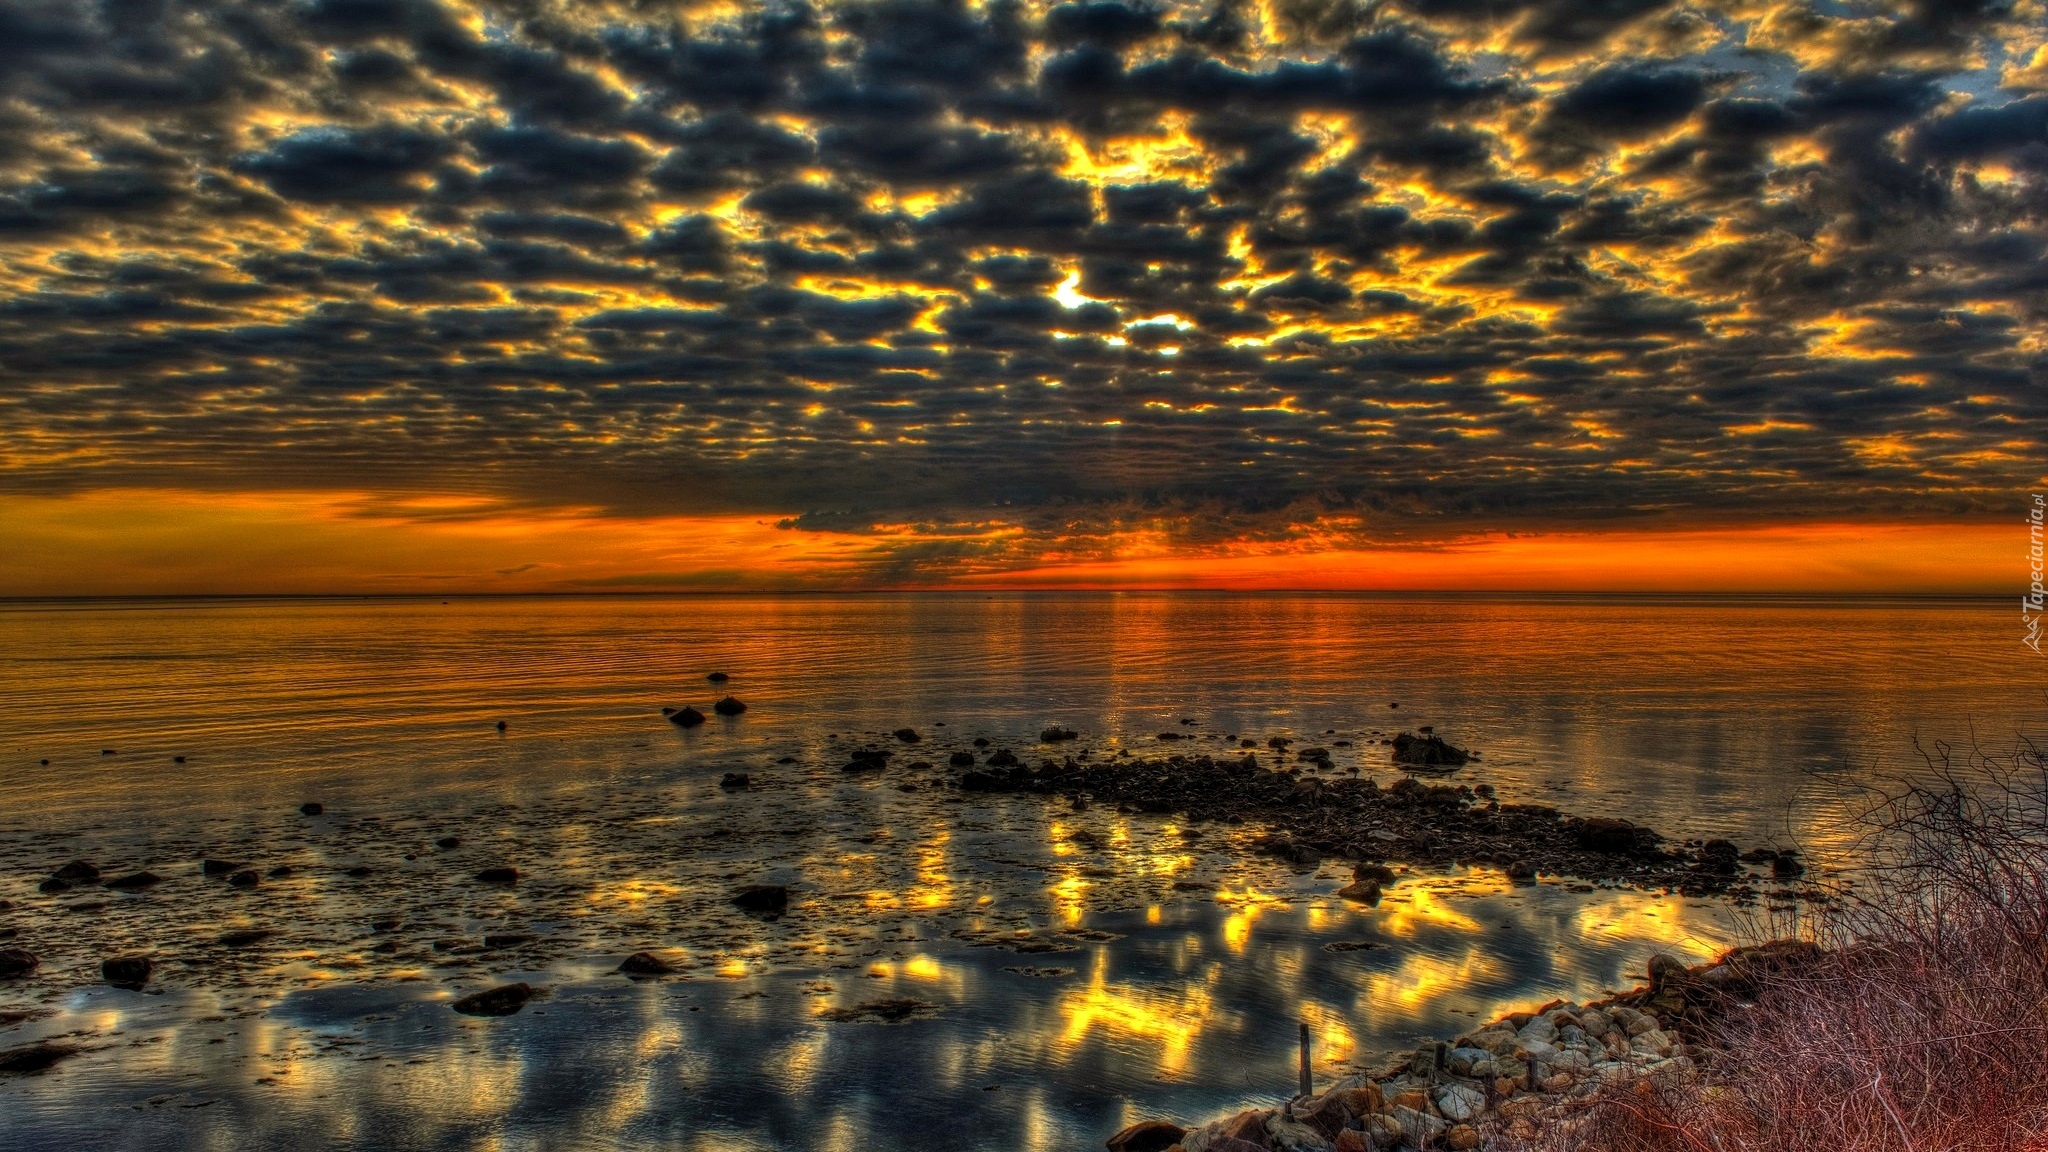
(1227, 267)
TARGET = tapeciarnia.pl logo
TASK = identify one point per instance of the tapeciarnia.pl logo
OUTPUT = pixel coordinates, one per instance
(2036, 599)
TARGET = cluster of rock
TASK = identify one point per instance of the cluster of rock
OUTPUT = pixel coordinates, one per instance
(1408, 821)
(1515, 1077)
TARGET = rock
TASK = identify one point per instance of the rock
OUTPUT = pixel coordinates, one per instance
(1055, 734)
(78, 872)
(503, 1000)
(17, 962)
(1606, 834)
(509, 939)
(498, 875)
(1522, 872)
(769, 898)
(907, 735)
(646, 964)
(717, 677)
(1002, 758)
(312, 808)
(131, 972)
(1363, 891)
(279, 872)
(961, 760)
(1384, 1129)
(1461, 1138)
(1146, 1136)
(734, 780)
(37, 1057)
(1472, 1063)
(1288, 1134)
(1538, 1029)
(447, 842)
(54, 885)
(1786, 866)
(1666, 970)
(866, 760)
(359, 871)
(1379, 873)
(729, 706)
(211, 867)
(1459, 1103)
(686, 717)
(246, 878)
(1352, 1140)
(1418, 1128)
(242, 938)
(1427, 751)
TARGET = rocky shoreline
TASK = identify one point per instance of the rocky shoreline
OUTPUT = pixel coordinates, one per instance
(1506, 1081)
(1315, 812)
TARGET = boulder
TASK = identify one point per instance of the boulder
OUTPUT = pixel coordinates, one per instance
(131, 972)
(211, 867)
(1287, 1134)
(503, 1000)
(1522, 872)
(717, 677)
(17, 962)
(498, 875)
(312, 808)
(54, 885)
(37, 1057)
(1460, 1103)
(447, 842)
(244, 937)
(734, 780)
(866, 760)
(646, 964)
(907, 735)
(1002, 758)
(1146, 1136)
(78, 872)
(961, 760)
(246, 878)
(1666, 970)
(729, 706)
(1363, 891)
(1462, 1138)
(1055, 734)
(686, 717)
(1606, 834)
(768, 898)
(1427, 752)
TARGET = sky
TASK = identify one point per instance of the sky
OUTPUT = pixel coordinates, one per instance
(634, 295)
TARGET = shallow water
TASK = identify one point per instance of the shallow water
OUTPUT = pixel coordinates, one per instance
(1081, 970)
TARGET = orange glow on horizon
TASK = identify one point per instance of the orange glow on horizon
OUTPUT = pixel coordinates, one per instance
(131, 542)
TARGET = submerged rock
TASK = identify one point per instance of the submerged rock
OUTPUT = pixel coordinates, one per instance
(729, 706)
(498, 875)
(1427, 752)
(212, 867)
(135, 882)
(243, 938)
(131, 972)
(78, 872)
(312, 808)
(770, 898)
(1054, 735)
(686, 717)
(961, 760)
(908, 735)
(646, 964)
(735, 780)
(17, 962)
(503, 1000)
(37, 1057)
(246, 878)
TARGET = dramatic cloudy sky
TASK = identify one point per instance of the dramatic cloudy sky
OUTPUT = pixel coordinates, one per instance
(305, 294)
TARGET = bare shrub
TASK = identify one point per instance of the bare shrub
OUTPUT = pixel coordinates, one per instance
(1924, 1026)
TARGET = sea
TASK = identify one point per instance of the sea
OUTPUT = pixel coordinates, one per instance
(953, 972)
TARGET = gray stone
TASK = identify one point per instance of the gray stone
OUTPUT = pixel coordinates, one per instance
(1473, 1062)
(1460, 1103)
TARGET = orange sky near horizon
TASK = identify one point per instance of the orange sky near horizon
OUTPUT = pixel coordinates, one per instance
(130, 542)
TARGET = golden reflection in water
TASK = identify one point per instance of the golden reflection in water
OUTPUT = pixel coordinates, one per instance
(1660, 920)
(1246, 903)
(1421, 979)
(1070, 899)
(1412, 907)
(934, 876)
(1169, 1019)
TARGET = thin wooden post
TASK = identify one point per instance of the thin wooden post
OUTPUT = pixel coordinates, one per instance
(1308, 1082)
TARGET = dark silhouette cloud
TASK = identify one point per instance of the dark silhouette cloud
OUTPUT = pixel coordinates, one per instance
(1234, 271)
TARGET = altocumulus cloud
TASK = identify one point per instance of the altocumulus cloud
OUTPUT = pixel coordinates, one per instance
(1222, 270)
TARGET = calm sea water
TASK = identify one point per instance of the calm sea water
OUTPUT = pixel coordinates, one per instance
(1076, 970)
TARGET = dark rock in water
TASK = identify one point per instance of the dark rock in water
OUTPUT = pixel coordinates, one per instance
(1427, 752)
(1522, 871)
(78, 872)
(359, 871)
(503, 1000)
(981, 741)
(211, 867)
(509, 939)
(312, 808)
(246, 878)
(1278, 741)
(771, 898)
(448, 842)
(887, 1011)
(1666, 970)
(135, 882)
(1607, 834)
(1377, 873)
(646, 964)
(1147, 1136)
(37, 1057)
(1055, 734)
(1002, 758)
(1720, 857)
(54, 885)
(866, 760)
(245, 937)
(734, 780)
(17, 962)
(1169, 735)
(385, 924)
(1363, 891)
(729, 706)
(717, 677)
(908, 735)
(981, 782)
(1786, 866)
(501, 725)
(280, 872)
(686, 717)
(961, 760)
(500, 875)
(131, 972)
(1287, 848)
